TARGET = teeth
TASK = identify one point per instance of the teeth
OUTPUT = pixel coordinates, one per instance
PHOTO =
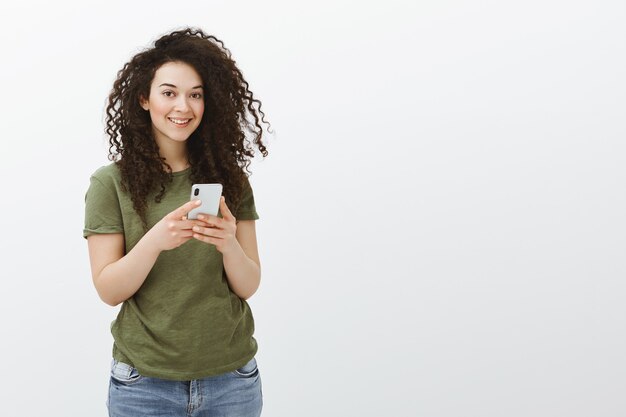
(179, 121)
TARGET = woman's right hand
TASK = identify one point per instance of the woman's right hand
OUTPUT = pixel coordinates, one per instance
(174, 229)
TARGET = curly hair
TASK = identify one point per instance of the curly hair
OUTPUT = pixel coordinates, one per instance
(218, 150)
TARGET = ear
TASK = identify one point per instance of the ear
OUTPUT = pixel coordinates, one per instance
(144, 103)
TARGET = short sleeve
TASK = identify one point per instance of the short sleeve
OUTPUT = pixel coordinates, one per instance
(247, 208)
(102, 209)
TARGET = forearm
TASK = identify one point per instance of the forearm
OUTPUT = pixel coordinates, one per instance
(243, 274)
(119, 280)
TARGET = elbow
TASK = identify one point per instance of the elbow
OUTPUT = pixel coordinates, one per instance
(114, 303)
(247, 297)
(106, 298)
(253, 290)
(109, 300)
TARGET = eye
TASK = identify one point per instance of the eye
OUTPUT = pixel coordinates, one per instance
(197, 95)
(167, 92)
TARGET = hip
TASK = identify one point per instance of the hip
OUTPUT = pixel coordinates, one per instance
(237, 393)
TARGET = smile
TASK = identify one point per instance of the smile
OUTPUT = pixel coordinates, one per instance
(179, 122)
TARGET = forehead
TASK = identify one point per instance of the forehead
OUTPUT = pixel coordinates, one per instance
(180, 74)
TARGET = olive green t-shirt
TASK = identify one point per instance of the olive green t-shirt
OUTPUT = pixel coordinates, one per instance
(184, 322)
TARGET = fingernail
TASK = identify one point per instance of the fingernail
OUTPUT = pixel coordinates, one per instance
(198, 202)
(200, 216)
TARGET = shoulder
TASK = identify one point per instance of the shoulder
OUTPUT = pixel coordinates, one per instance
(246, 189)
(246, 183)
(107, 174)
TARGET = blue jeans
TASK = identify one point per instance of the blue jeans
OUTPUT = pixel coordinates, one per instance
(237, 394)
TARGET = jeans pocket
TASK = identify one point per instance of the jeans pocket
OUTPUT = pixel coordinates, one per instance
(249, 370)
(124, 373)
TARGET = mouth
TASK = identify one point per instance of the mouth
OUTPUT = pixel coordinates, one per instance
(179, 122)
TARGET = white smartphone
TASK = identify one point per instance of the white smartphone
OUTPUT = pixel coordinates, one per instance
(210, 195)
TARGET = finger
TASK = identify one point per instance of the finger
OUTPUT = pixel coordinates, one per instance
(209, 219)
(185, 208)
(176, 232)
(225, 210)
(206, 239)
(185, 239)
(208, 231)
(188, 224)
(203, 223)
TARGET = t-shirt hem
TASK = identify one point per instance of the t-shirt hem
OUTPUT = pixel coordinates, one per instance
(102, 230)
(247, 215)
(185, 376)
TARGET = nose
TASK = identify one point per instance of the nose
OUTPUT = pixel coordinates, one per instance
(181, 104)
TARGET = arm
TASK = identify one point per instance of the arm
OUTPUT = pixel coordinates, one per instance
(242, 265)
(115, 276)
(236, 240)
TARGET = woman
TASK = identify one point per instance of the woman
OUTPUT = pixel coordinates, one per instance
(178, 115)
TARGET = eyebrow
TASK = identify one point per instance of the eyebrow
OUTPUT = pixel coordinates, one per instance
(173, 86)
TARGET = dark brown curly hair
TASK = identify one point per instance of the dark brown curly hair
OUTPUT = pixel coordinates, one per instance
(219, 150)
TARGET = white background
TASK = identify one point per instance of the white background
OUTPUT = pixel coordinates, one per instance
(442, 223)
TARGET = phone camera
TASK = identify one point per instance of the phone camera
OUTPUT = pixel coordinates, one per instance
(196, 191)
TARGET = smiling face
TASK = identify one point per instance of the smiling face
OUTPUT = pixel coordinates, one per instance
(176, 103)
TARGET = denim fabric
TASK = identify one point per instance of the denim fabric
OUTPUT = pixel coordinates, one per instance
(232, 394)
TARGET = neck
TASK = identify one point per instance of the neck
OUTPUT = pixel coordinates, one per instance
(175, 154)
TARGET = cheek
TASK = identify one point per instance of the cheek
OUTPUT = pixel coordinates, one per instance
(159, 108)
(199, 109)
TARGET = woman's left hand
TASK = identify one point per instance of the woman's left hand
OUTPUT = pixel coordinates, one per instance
(220, 232)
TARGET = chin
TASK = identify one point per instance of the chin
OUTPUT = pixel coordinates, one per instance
(181, 139)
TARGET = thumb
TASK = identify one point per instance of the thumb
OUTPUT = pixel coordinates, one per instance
(185, 208)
